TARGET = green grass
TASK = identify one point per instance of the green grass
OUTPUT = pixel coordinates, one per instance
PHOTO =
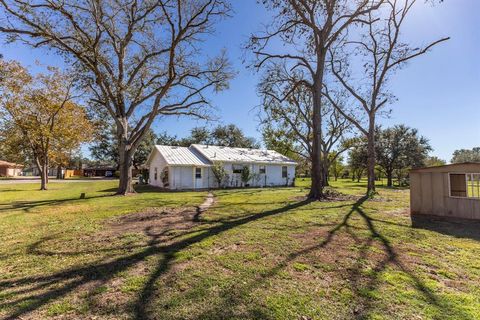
(256, 254)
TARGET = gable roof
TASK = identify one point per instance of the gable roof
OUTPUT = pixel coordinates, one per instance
(243, 155)
(182, 156)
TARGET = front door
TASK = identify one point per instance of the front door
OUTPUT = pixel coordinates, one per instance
(198, 178)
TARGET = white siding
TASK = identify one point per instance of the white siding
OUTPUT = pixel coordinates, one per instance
(159, 163)
(181, 178)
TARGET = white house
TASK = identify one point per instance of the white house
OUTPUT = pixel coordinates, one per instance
(180, 168)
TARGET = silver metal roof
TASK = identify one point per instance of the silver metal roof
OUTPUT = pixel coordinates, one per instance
(182, 156)
(243, 155)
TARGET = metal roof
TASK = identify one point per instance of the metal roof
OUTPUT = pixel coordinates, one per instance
(182, 156)
(243, 155)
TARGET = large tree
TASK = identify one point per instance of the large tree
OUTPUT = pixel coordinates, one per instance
(140, 59)
(286, 118)
(364, 66)
(307, 30)
(400, 148)
(40, 116)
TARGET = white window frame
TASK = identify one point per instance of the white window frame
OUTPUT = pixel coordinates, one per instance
(260, 167)
(466, 174)
(286, 172)
(196, 173)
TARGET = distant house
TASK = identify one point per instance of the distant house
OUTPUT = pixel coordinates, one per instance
(8, 169)
(448, 191)
(180, 168)
(100, 171)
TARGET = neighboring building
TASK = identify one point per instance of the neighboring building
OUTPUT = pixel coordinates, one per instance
(8, 169)
(450, 191)
(180, 168)
(99, 172)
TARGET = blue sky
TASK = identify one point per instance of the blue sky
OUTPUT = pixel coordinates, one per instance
(438, 93)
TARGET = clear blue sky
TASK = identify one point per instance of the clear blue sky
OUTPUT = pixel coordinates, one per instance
(439, 93)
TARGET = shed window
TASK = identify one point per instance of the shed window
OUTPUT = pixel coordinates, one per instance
(262, 169)
(198, 173)
(237, 168)
(465, 185)
(156, 174)
(284, 172)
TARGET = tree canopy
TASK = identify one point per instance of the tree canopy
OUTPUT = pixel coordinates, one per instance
(466, 155)
(39, 119)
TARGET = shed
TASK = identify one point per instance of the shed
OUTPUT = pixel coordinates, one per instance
(8, 169)
(181, 168)
(447, 191)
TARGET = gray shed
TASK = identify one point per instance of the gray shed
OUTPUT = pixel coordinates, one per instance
(447, 191)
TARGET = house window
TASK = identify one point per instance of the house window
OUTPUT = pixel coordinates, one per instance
(262, 169)
(465, 185)
(198, 173)
(156, 174)
(284, 172)
(237, 168)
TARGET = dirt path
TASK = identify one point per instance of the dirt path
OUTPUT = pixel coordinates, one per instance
(160, 222)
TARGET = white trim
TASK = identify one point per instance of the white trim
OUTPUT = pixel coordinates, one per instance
(466, 185)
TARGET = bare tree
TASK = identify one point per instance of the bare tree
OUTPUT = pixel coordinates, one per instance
(140, 59)
(381, 53)
(286, 115)
(308, 28)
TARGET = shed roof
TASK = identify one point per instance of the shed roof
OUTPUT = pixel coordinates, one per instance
(182, 156)
(244, 155)
(465, 166)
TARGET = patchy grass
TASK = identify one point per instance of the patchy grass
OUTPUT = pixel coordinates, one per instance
(257, 254)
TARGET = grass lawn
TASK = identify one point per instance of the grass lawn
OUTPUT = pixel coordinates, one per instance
(256, 254)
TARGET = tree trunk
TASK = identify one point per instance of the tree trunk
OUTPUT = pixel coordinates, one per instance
(59, 172)
(389, 178)
(125, 158)
(125, 167)
(326, 183)
(43, 168)
(318, 178)
(371, 158)
(316, 189)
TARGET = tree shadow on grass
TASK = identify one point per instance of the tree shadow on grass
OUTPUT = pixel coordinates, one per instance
(163, 247)
(456, 227)
(41, 290)
(27, 206)
(363, 304)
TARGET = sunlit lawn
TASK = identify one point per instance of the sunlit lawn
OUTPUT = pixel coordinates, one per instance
(256, 254)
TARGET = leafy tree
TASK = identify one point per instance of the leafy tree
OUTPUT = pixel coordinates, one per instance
(167, 140)
(41, 112)
(337, 167)
(434, 161)
(139, 59)
(400, 148)
(357, 159)
(222, 135)
(219, 173)
(466, 155)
